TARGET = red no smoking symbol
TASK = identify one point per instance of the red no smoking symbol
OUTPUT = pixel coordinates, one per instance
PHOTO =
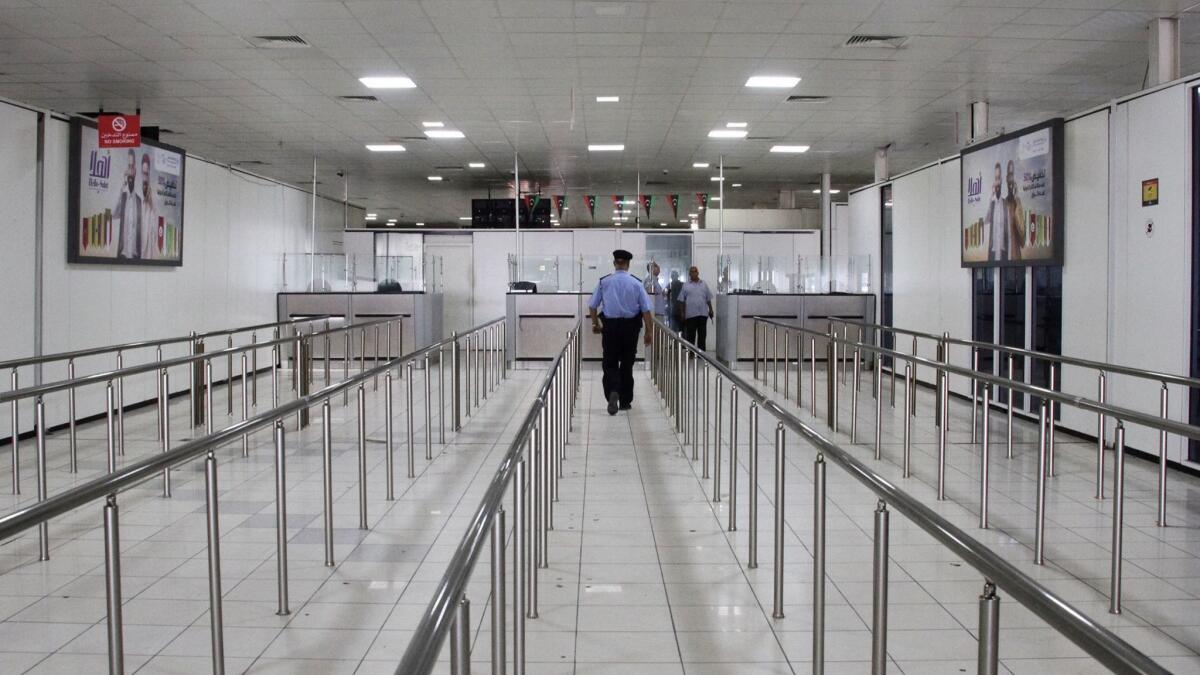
(118, 124)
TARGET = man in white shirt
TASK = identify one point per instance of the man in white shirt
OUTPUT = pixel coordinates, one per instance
(655, 290)
(695, 308)
(127, 217)
(149, 211)
(997, 222)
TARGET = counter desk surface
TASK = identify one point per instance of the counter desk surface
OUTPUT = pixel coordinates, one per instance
(420, 315)
(735, 338)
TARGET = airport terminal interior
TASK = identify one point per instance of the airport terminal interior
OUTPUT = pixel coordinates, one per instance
(697, 337)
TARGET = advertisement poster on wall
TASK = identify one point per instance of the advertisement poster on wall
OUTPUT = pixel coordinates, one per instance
(125, 205)
(1012, 199)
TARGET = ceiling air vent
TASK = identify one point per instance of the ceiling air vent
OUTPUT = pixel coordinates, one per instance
(250, 162)
(359, 99)
(655, 182)
(885, 41)
(808, 99)
(279, 42)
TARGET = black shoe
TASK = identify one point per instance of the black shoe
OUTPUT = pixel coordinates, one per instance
(612, 403)
(625, 406)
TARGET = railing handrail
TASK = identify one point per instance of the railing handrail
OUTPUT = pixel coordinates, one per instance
(154, 366)
(1102, 366)
(1107, 409)
(142, 344)
(39, 512)
(426, 642)
(1102, 644)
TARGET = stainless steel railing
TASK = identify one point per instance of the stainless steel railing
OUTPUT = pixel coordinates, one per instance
(678, 370)
(836, 357)
(490, 368)
(532, 465)
(199, 363)
(1055, 361)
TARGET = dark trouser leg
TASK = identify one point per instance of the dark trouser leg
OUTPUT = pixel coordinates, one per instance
(701, 333)
(689, 331)
(628, 351)
(611, 358)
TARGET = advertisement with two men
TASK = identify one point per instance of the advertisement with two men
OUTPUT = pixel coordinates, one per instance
(126, 204)
(1012, 196)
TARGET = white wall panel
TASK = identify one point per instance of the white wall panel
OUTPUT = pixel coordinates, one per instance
(490, 262)
(18, 162)
(1152, 274)
(863, 237)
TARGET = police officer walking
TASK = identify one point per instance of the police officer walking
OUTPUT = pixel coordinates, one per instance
(621, 303)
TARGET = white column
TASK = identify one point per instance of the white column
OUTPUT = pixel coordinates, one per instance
(881, 163)
(978, 114)
(1164, 51)
(826, 217)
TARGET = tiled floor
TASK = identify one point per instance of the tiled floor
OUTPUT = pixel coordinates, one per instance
(643, 575)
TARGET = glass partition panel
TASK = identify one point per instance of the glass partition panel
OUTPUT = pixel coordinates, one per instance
(392, 269)
(673, 254)
(729, 279)
(307, 272)
(834, 274)
(549, 273)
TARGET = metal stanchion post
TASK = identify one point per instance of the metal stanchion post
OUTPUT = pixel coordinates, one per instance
(428, 411)
(1162, 459)
(455, 383)
(983, 457)
(812, 373)
(786, 386)
(854, 399)
(281, 563)
(39, 422)
(73, 441)
(159, 393)
(1118, 526)
(878, 407)
(879, 601)
(974, 396)
(499, 632)
(112, 587)
(1039, 531)
(777, 609)
(228, 376)
(215, 615)
(704, 419)
(757, 338)
(362, 458)
(325, 348)
(389, 447)
(410, 429)
(1011, 405)
(1102, 395)
(799, 369)
(752, 557)
(347, 357)
(907, 464)
(716, 467)
(1050, 423)
(775, 357)
(460, 639)
(110, 427)
(441, 378)
(733, 457)
(245, 404)
(819, 564)
(989, 630)
(520, 563)
(833, 387)
(944, 407)
(121, 408)
(254, 370)
(327, 475)
(165, 432)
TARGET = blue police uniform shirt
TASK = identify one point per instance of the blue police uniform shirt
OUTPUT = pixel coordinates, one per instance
(621, 295)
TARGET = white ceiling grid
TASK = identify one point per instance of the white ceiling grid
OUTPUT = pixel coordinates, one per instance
(523, 75)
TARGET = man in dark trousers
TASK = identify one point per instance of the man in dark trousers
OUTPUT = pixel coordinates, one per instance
(694, 307)
(621, 302)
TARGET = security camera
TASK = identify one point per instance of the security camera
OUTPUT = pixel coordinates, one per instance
(341, 174)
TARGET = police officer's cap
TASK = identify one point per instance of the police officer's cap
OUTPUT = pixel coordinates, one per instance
(622, 254)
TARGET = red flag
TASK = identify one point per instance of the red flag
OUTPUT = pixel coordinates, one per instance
(674, 199)
(559, 200)
(702, 197)
(590, 200)
(119, 131)
(646, 201)
(617, 201)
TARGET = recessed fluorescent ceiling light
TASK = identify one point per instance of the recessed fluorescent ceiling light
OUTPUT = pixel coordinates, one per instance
(699, 165)
(773, 81)
(831, 191)
(388, 82)
(735, 125)
(737, 185)
(693, 215)
(372, 216)
(420, 224)
(464, 217)
(476, 165)
(727, 133)
(432, 125)
(608, 99)
(789, 148)
(685, 222)
(603, 147)
(444, 133)
(435, 178)
(717, 178)
(695, 226)
(391, 221)
(385, 147)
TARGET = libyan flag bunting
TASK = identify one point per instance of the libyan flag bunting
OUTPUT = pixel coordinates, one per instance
(590, 200)
(702, 197)
(531, 202)
(674, 199)
(559, 200)
(646, 201)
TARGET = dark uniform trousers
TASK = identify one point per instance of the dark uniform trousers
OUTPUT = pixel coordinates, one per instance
(695, 331)
(619, 339)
